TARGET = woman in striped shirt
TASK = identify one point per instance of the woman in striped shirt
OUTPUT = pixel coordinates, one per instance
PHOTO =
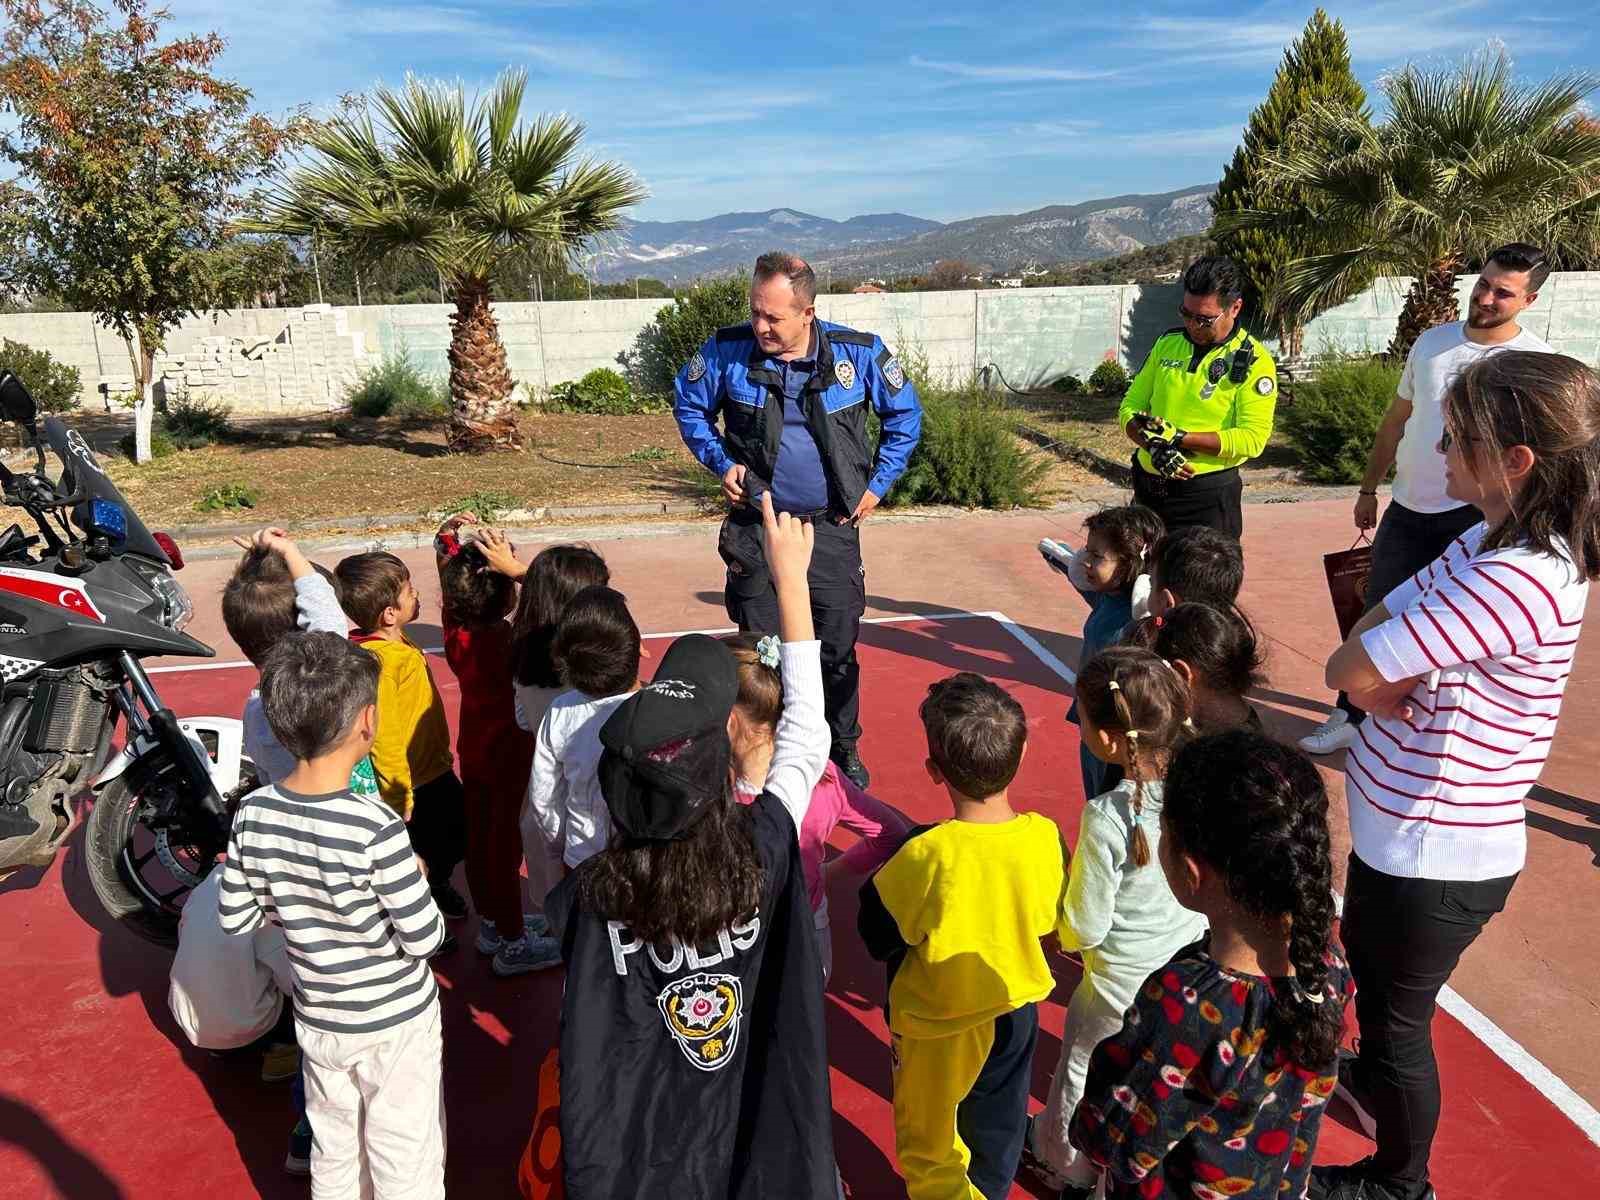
(1463, 668)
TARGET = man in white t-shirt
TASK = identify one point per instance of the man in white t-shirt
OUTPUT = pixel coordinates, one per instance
(1422, 521)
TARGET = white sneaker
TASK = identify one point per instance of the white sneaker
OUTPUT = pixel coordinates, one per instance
(527, 954)
(1058, 555)
(1333, 735)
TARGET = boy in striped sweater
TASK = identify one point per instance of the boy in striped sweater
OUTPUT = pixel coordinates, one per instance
(336, 871)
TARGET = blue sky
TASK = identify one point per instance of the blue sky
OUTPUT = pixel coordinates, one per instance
(941, 110)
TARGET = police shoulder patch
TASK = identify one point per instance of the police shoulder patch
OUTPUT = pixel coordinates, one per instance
(845, 372)
(1264, 385)
(697, 367)
(895, 374)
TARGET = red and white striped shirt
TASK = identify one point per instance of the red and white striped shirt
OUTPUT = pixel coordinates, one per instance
(1489, 639)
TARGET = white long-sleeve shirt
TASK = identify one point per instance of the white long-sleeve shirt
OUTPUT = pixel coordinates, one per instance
(564, 786)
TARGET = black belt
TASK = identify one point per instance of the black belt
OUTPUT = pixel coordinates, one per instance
(1208, 481)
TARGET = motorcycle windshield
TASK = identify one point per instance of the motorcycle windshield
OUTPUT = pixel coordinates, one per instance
(85, 474)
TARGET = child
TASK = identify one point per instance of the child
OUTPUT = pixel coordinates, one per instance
(1107, 573)
(596, 650)
(1195, 563)
(1463, 668)
(556, 575)
(1216, 1083)
(1216, 652)
(478, 582)
(836, 801)
(958, 913)
(336, 872)
(411, 755)
(693, 1056)
(1119, 912)
(272, 592)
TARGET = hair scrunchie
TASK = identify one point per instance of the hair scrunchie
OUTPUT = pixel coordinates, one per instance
(767, 651)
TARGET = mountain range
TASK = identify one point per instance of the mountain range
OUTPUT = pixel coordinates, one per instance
(888, 244)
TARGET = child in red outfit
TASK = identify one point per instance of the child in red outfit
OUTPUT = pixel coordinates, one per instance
(478, 578)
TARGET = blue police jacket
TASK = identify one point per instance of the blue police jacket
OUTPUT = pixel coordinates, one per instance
(730, 377)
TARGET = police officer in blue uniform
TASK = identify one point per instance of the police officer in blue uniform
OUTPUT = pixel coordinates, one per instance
(792, 393)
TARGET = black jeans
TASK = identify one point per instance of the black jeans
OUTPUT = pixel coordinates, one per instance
(838, 598)
(1214, 499)
(1403, 938)
(438, 826)
(1406, 542)
(993, 1119)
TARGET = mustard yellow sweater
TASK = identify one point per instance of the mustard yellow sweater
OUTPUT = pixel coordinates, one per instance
(413, 743)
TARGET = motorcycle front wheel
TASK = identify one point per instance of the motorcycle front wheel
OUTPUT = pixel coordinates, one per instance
(142, 875)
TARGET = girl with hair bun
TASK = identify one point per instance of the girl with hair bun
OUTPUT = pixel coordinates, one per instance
(1218, 1079)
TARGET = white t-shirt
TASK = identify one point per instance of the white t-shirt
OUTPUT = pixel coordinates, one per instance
(1489, 638)
(226, 991)
(1437, 357)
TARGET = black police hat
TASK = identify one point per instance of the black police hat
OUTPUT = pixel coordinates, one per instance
(665, 753)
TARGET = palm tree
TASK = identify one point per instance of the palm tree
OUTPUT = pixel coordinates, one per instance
(1467, 160)
(466, 190)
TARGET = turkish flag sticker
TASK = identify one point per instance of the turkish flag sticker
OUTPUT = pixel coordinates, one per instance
(55, 590)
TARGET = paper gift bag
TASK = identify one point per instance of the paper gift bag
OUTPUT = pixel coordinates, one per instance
(1347, 572)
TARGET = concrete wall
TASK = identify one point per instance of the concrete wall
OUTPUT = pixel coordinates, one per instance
(302, 359)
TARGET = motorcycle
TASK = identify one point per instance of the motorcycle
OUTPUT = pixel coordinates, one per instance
(82, 602)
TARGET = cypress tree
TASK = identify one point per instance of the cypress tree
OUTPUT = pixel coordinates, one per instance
(1315, 70)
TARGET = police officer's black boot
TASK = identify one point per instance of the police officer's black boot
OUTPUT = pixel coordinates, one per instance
(849, 761)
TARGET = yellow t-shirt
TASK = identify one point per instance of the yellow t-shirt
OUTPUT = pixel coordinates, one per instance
(413, 743)
(967, 904)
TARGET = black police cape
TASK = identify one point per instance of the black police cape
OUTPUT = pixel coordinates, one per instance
(698, 1071)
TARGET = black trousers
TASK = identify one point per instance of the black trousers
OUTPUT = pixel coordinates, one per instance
(1403, 938)
(1214, 499)
(993, 1119)
(838, 598)
(438, 826)
(1406, 542)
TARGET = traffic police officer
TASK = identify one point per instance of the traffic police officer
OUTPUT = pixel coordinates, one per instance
(792, 392)
(1201, 405)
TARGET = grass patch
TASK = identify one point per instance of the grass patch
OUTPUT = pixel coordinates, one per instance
(646, 454)
(228, 497)
(161, 444)
(485, 505)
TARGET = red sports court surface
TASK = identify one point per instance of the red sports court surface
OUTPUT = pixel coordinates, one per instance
(101, 1097)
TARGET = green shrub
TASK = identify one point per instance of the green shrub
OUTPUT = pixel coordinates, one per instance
(602, 393)
(485, 505)
(970, 455)
(194, 423)
(396, 388)
(55, 386)
(228, 497)
(161, 444)
(1335, 416)
(1068, 385)
(1110, 378)
(664, 345)
(646, 454)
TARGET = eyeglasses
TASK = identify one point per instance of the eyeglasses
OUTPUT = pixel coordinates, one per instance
(1197, 319)
(1448, 439)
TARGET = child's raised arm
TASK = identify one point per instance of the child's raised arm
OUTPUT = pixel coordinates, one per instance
(800, 752)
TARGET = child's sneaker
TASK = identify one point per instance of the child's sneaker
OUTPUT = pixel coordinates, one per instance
(489, 940)
(1333, 735)
(298, 1160)
(451, 902)
(280, 1063)
(1036, 1166)
(1058, 555)
(527, 954)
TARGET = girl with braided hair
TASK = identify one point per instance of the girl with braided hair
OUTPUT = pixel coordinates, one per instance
(1118, 911)
(1217, 1081)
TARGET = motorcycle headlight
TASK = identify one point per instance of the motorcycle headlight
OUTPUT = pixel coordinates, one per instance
(177, 608)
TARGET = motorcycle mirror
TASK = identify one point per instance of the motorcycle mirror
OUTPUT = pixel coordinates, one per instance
(16, 402)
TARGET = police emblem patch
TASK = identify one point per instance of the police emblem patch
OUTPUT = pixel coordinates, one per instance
(702, 1013)
(1264, 386)
(845, 372)
(895, 374)
(697, 367)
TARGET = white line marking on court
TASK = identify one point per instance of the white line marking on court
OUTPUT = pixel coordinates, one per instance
(1506, 1048)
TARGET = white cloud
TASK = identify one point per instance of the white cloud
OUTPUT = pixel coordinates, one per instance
(1010, 73)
